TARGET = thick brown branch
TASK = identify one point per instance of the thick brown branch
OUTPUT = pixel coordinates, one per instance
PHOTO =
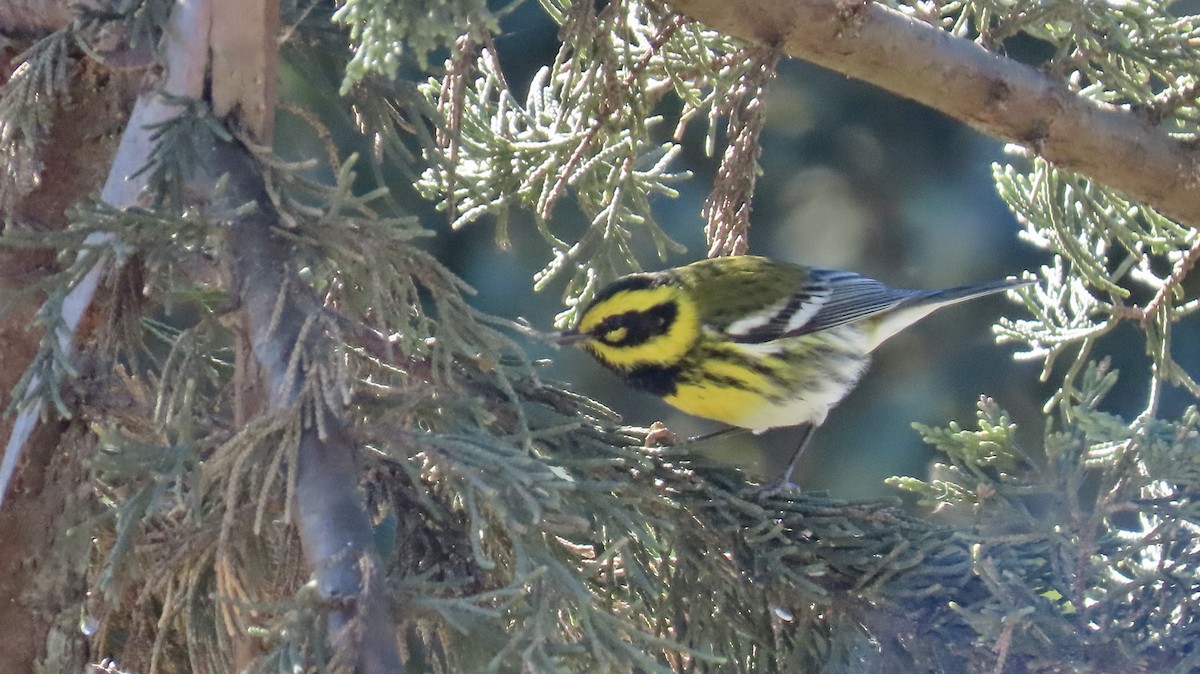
(985, 90)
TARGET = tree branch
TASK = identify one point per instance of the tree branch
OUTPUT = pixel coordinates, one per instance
(331, 515)
(984, 90)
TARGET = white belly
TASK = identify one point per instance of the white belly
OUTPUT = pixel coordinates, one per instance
(811, 408)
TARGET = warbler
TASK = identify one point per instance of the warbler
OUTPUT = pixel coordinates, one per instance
(750, 342)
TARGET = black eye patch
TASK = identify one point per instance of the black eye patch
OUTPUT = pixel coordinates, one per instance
(636, 327)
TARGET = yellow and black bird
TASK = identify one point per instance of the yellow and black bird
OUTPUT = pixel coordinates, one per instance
(750, 342)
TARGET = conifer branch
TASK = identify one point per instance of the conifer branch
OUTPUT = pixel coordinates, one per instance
(985, 90)
(330, 513)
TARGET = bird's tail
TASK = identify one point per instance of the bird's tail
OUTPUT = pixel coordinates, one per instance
(943, 298)
(924, 302)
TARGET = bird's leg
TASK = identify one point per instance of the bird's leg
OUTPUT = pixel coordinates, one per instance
(724, 432)
(785, 481)
(661, 435)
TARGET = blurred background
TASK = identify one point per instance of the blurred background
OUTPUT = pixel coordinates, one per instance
(852, 178)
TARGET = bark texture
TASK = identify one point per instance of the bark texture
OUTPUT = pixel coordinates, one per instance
(41, 574)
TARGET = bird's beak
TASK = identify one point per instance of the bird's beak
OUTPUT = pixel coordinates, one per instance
(570, 338)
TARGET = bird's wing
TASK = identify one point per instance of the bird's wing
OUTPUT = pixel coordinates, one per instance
(827, 299)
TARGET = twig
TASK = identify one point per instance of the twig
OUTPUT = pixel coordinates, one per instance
(728, 205)
(1145, 315)
(1182, 269)
(451, 104)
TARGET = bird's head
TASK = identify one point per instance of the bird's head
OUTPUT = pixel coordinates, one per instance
(637, 321)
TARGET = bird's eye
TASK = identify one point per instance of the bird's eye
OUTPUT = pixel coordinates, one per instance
(615, 335)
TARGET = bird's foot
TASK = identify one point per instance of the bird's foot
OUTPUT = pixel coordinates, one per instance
(780, 486)
(660, 436)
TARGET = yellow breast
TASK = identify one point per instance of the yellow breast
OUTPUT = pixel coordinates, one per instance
(732, 406)
(723, 386)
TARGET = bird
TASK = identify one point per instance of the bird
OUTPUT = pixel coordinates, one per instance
(751, 342)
